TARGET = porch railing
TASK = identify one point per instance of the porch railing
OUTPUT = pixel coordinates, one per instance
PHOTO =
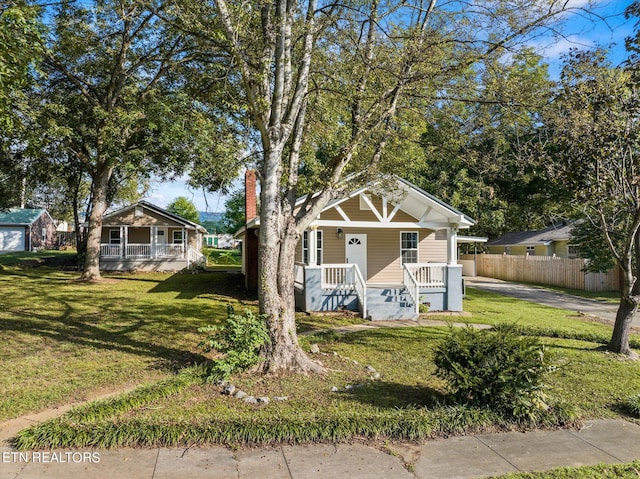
(195, 258)
(169, 250)
(110, 250)
(346, 277)
(429, 275)
(142, 251)
(419, 276)
(138, 250)
(298, 276)
(412, 286)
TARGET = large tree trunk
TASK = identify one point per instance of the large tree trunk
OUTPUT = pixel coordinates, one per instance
(94, 234)
(626, 312)
(278, 240)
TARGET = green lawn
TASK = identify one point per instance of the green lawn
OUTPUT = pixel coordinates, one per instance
(223, 257)
(63, 340)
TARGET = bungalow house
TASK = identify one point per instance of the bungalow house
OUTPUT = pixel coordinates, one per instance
(145, 237)
(26, 229)
(551, 241)
(382, 249)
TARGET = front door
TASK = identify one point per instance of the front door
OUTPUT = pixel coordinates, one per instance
(356, 251)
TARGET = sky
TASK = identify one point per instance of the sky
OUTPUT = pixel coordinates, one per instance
(605, 27)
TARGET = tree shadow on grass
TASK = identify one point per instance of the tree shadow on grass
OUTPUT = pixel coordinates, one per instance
(67, 330)
(390, 395)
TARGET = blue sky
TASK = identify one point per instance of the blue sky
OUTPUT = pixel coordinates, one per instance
(607, 27)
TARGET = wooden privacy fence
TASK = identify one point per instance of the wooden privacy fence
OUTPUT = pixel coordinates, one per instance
(550, 270)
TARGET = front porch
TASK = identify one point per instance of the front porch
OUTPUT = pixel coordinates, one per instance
(330, 287)
(146, 249)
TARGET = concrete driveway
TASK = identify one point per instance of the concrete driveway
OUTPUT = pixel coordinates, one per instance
(590, 307)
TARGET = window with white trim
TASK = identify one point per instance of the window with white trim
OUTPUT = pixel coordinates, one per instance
(177, 237)
(44, 234)
(573, 250)
(114, 236)
(408, 247)
(531, 250)
(306, 246)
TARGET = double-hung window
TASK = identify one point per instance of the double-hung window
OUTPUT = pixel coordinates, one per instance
(307, 246)
(408, 247)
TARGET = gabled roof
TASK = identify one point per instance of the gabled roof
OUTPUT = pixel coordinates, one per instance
(21, 216)
(161, 211)
(555, 232)
(429, 211)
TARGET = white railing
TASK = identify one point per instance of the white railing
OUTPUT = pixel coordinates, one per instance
(110, 250)
(169, 250)
(346, 277)
(361, 290)
(195, 257)
(412, 286)
(429, 275)
(338, 276)
(138, 250)
(298, 276)
(145, 250)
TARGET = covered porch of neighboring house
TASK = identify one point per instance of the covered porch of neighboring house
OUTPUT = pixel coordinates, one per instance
(149, 248)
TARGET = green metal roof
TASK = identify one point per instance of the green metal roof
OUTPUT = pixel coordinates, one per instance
(18, 216)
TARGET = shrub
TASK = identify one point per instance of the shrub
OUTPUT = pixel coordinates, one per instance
(496, 369)
(632, 405)
(239, 340)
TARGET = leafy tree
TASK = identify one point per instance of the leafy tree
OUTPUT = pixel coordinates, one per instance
(473, 146)
(234, 214)
(593, 136)
(328, 88)
(181, 206)
(21, 33)
(118, 105)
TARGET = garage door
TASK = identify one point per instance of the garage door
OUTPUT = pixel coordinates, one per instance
(11, 239)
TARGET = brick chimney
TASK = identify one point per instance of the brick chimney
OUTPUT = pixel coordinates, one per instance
(250, 245)
(250, 204)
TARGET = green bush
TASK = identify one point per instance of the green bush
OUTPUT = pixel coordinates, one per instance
(239, 340)
(632, 405)
(496, 369)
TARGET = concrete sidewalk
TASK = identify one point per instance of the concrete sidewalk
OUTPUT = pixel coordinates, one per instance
(603, 441)
(590, 307)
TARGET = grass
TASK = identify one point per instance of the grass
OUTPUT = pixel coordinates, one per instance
(66, 339)
(606, 296)
(223, 257)
(630, 470)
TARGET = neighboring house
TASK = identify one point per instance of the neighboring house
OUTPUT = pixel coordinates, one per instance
(553, 240)
(222, 241)
(382, 249)
(145, 237)
(26, 229)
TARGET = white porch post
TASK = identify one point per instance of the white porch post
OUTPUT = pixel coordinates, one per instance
(184, 242)
(153, 236)
(126, 240)
(122, 241)
(452, 245)
(313, 246)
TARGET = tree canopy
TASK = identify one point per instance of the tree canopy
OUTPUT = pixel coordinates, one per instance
(181, 206)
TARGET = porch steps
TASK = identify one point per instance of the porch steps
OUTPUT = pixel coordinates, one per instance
(393, 302)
